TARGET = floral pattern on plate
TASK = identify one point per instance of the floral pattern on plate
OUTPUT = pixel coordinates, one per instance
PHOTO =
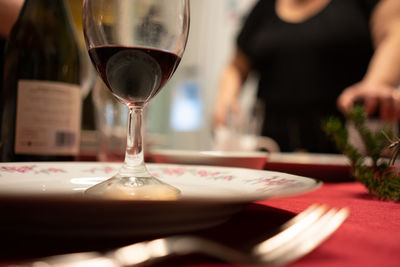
(201, 181)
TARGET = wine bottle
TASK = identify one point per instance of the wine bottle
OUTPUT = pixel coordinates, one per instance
(41, 98)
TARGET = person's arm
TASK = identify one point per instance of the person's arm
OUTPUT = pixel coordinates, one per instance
(379, 87)
(232, 79)
(9, 10)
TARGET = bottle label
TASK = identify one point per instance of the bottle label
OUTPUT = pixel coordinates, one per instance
(48, 118)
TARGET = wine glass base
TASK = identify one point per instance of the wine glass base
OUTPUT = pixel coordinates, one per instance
(134, 187)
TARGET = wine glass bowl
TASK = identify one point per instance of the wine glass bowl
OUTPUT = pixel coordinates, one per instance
(136, 46)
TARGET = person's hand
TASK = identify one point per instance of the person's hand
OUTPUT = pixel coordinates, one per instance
(381, 98)
(224, 109)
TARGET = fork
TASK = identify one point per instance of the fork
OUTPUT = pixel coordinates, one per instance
(296, 238)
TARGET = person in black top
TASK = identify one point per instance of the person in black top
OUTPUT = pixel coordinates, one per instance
(315, 58)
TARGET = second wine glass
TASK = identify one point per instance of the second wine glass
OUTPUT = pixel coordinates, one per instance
(136, 46)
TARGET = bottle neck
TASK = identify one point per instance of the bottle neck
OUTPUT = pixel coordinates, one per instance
(36, 9)
(50, 4)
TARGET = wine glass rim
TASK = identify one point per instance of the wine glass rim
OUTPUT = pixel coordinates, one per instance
(92, 46)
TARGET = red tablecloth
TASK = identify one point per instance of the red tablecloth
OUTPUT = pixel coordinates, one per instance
(369, 237)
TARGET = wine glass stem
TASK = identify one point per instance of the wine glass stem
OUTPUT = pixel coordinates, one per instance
(134, 155)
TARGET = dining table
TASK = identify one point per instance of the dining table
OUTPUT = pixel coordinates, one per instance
(370, 236)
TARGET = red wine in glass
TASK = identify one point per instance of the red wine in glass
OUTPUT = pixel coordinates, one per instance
(134, 74)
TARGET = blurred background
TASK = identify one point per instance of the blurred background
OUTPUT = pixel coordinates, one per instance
(182, 111)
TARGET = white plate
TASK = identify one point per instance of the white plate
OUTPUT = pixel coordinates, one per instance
(325, 167)
(48, 198)
(245, 159)
(310, 158)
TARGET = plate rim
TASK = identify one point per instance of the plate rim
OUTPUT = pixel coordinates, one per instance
(209, 153)
(77, 198)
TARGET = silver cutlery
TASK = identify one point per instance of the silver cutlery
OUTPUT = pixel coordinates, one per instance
(296, 238)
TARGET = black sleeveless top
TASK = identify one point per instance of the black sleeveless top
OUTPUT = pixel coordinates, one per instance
(303, 67)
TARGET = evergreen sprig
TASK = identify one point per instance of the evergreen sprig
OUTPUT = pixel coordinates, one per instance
(380, 178)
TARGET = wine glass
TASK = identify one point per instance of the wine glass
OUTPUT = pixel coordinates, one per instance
(136, 46)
